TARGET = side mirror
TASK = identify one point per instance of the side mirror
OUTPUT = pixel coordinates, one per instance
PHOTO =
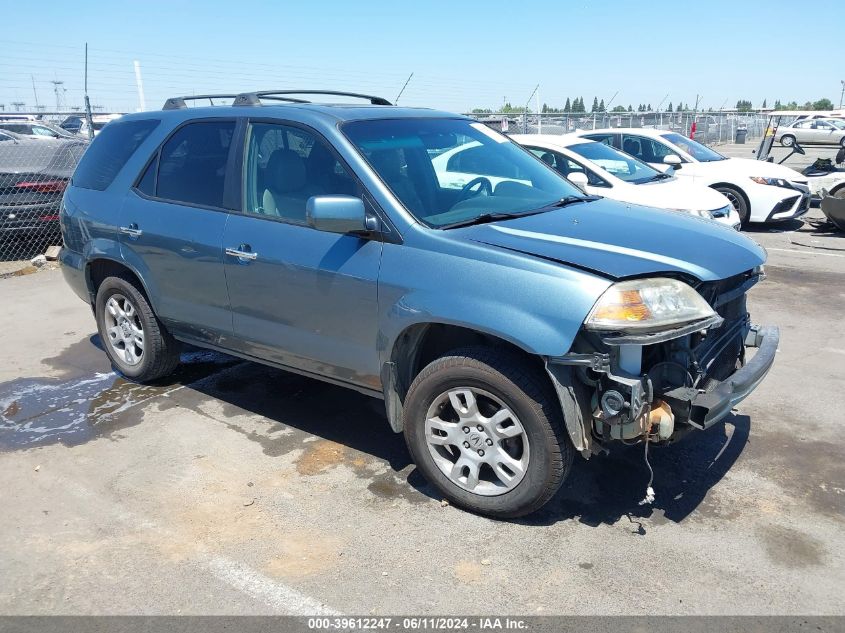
(579, 179)
(673, 159)
(337, 214)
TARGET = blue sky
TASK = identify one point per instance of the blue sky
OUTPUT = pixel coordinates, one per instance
(462, 54)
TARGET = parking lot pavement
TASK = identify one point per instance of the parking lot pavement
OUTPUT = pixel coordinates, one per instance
(235, 488)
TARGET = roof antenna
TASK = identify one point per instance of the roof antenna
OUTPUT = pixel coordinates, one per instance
(396, 100)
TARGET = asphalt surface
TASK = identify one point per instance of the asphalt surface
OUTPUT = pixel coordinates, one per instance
(238, 489)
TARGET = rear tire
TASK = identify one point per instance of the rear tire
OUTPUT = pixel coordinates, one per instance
(737, 199)
(486, 430)
(136, 342)
(787, 140)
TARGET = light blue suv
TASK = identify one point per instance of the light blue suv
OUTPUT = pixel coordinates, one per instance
(508, 323)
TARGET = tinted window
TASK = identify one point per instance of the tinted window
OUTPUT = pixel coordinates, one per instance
(192, 166)
(147, 184)
(607, 139)
(109, 152)
(285, 167)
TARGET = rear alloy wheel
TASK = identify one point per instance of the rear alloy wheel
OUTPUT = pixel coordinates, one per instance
(137, 344)
(737, 201)
(485, 429)
(787, 140)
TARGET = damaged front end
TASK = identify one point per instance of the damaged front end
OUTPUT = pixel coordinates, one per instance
(658, 358)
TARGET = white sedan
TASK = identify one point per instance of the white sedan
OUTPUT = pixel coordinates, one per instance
(759, 191)
(605, 171)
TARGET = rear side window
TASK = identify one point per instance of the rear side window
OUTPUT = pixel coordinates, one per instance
(109, 152)
(192, 165)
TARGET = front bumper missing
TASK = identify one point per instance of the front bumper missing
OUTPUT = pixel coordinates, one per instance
(702, 409)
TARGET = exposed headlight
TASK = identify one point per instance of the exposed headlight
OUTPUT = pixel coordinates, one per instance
(700, 213)
(647, 304)
(774, 182)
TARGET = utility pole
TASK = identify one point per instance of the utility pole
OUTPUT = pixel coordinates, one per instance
(59, 90)
(88, 118)
(842, 94)
(34, 91)
(140, 84)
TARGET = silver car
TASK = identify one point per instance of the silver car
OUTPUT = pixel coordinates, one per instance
(812, 132)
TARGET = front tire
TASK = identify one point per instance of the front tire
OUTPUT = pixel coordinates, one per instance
(486, 430)
(135, 341)
(737, 200)
(787, 140)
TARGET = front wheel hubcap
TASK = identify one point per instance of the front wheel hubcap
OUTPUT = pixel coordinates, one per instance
(124, 329)
(493, 458)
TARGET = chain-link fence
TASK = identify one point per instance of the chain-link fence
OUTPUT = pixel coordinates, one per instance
(37, 159)
(711, 128)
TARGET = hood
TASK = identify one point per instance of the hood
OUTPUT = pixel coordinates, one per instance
(751, 167)
(675, 194)
(609, 238)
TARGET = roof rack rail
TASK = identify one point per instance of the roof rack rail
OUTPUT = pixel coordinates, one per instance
(254, 98)
(178, 103)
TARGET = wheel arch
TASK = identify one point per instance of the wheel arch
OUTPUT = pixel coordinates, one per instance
(735, 187)
(99, 268)
(421, 343)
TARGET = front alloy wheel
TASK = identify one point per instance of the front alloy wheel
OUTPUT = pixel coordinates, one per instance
(477, 441)
(484, 426)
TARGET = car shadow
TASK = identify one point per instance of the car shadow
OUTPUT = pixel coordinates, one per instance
(606, 489)
(602, 490)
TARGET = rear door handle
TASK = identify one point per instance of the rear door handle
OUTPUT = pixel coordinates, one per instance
(132, 230)
(241, 253)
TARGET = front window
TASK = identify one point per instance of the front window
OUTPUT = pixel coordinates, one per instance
(699, 152)
(621, 165)
(449, 171)
(285, 166)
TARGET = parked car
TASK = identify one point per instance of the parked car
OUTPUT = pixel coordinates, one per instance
(78, 124)
(759, 191)
(507, 327)
(603, 170)
(811, 132)
(36, 129)
(33, 176)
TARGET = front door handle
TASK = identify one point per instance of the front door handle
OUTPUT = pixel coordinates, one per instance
(242, 253)
(132, 230)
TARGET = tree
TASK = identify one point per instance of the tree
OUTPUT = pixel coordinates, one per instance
(595, 107)
(669, 109)
(778, 105)
(764, 104)
(619, 108)
(823, 104)
(481, 111)
(630, 109)
(743, 105)
(602, 108)
(568, 106)
(680, 107)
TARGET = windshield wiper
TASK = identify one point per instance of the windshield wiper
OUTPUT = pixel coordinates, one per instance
(660, 176)
(485, 218)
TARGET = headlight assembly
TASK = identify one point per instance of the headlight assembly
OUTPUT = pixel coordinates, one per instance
(774, 182)
(644, 305)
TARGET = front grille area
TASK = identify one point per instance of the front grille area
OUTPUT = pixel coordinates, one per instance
(785, 205)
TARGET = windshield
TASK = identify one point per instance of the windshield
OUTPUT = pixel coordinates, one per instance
(623, 166)
(449, 171)
(695, 149)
